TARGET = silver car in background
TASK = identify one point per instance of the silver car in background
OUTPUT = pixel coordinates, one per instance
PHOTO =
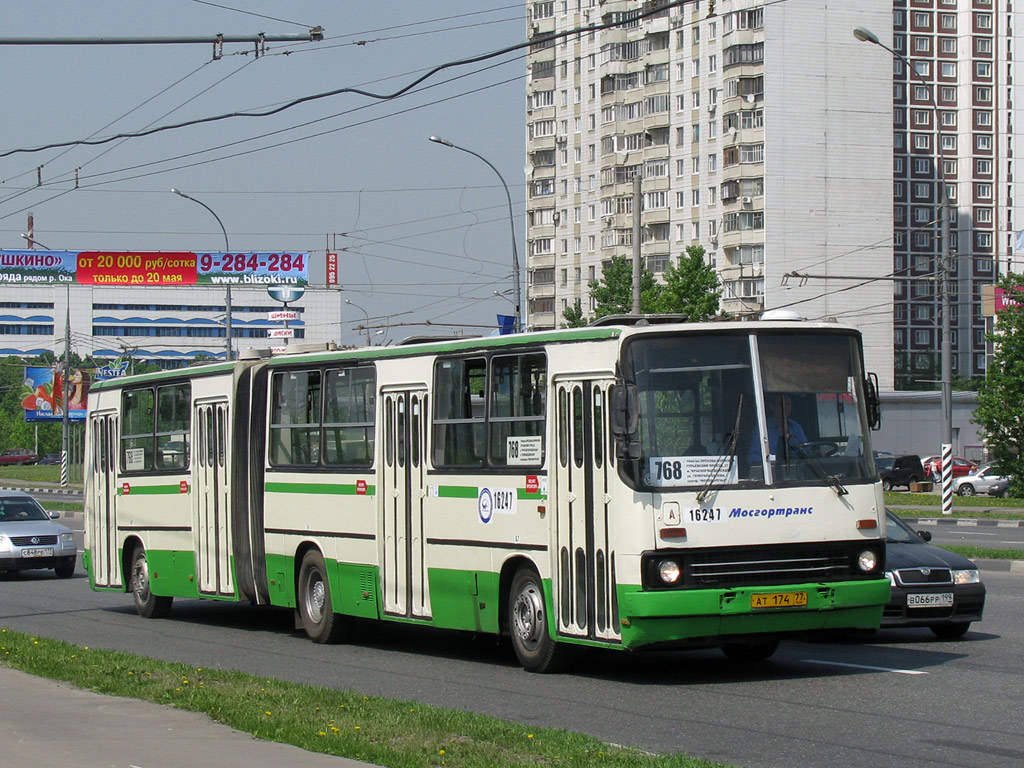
(985, 480)
(29, 539)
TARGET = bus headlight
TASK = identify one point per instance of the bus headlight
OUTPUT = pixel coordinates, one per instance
(867, 560)
(669, 571)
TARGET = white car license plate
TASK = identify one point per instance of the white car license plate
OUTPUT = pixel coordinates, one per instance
(934, 600)
(38, 552)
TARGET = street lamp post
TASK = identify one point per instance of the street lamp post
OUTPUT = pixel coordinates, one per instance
(366, 321)
(945, 265)
(227, 287)
(516, 285)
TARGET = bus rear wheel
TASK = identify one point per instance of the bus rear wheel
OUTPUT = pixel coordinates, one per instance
(528, 625)
(148, 605)
(316, 610)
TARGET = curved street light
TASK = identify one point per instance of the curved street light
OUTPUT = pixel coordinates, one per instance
(865, 35)
(516, 286)
(227, 287)
(366, 321)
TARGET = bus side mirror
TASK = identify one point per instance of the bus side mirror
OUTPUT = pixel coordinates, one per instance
(625, 420)
(871, 402)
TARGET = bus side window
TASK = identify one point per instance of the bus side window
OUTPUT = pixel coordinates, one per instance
(459, 418)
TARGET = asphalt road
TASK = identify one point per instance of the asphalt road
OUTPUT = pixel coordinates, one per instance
(977, 533)
(899, 698)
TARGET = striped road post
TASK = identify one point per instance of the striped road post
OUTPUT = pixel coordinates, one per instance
(63, 468)
(947, 479)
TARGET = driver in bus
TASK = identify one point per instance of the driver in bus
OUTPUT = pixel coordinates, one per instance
(784, 432)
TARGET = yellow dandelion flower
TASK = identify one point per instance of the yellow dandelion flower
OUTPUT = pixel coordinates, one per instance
(529, 735)
(358, 727)
(267, 713)
(321, 733)
(440, 751)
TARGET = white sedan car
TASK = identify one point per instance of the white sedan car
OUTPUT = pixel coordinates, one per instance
(29, 539)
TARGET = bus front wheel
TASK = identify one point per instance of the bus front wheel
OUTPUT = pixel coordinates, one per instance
(750, 651)
(528, 625)
(321, 623)
(148, 605)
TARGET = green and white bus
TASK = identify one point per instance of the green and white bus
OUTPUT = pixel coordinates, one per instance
(606, 486)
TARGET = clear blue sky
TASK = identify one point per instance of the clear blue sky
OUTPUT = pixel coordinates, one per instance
(428, 234)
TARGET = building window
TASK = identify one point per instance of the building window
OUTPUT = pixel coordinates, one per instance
(983, 69)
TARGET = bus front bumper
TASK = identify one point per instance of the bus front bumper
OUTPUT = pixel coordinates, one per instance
(703, 617)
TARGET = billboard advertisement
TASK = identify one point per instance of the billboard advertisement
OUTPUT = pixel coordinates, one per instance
(42, 395)
(153, 268)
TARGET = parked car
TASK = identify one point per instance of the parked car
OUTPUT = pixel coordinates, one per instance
(961, 467)
(986, 480)
(900, 471)
(50, 458)
(18, 456)
(931, 587)
(30, 539)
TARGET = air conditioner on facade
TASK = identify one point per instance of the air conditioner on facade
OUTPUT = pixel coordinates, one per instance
(746, 200)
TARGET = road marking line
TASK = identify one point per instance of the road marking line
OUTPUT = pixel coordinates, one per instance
(865, 666)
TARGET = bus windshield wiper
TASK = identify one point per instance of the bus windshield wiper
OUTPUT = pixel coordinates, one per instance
(819, 469)
(730, 453)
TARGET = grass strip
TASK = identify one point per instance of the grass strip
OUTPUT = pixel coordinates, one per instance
(935, 500)
(985, 553)
(385, 732)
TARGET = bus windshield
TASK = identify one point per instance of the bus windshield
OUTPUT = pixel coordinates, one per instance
(748, 410)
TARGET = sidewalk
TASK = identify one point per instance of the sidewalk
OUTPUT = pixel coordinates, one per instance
(49, 723)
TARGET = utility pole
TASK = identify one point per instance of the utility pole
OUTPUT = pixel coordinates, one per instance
(64, 436)
(637, 268)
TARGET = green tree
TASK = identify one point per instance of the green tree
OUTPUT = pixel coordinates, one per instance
(613, 294)
(999, 412)
(691, 287)
(573, 316)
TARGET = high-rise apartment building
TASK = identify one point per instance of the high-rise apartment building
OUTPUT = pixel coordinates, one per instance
(761, 132)
(955, 107)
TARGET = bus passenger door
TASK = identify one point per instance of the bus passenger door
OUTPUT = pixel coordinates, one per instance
(210, 498)
(102, 479)
(583, 577)
(403, 488)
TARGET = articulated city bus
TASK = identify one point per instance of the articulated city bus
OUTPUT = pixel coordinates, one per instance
(623, 486)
